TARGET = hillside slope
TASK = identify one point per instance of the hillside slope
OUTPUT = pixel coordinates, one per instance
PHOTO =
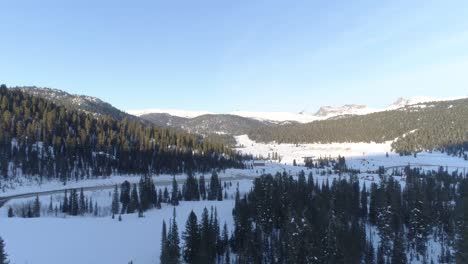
(83, 103)
(425, 126)
(41, 138)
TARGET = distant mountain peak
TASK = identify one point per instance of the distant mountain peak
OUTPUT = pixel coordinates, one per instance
(346, 109)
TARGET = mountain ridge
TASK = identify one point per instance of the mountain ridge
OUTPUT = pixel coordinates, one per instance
(323, 113)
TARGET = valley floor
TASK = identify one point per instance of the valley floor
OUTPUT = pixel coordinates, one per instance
(89, 239)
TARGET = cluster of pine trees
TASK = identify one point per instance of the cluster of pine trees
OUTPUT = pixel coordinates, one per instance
(75, 204)
(440, 126)
(283, 220)
(72, 204)
(139, 198)
(203, 241)
(38, 137)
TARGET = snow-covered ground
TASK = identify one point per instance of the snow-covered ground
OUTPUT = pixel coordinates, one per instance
(89, 239)
(78, 240)
(362, 156)
(96, 240)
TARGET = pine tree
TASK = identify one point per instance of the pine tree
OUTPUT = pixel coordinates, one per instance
(191, 191)
(191, 237)
(175, 192)
(10, 212)
(205, 237)
(82, 209)
(3, 254)
(202, 186)
(65, 208)
(166, 195)
(90, 206)
(160, 199)
(37, 207)
(173, 242)
(115, 201)
(50, 210)
(398, 253)
(363, 207)
(215, 191)
(125, 196)
(134, 203)
(96, 209)
(164, 258)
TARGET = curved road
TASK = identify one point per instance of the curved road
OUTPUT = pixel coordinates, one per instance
(5, 199)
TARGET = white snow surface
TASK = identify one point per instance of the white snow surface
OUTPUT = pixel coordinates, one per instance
(362, 156)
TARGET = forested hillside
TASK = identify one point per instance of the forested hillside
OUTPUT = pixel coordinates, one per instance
(41, 138)
(428, 126)
(83, 103)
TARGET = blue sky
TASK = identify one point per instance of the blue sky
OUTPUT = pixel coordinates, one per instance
(223, 56)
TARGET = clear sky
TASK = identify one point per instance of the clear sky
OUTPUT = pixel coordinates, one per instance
(223, 56)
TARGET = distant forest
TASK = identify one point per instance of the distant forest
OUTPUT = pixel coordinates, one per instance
(38, 137)
(425, 127)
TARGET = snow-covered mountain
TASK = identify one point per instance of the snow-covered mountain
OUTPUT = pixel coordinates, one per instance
(325, 112)
(349, 109)
(416, 100)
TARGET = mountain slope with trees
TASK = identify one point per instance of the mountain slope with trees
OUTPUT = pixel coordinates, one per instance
(428, 126)
(83, 103)
(39, 137)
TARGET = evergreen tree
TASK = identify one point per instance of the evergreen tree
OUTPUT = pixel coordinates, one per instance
(166, 195)
(37, 207)
(398, 253)
(215, 192)
(73, 206)
(115, 201)
(160, 199)
(134, 203)
(175, 192)
(50, 210)
(65, 208)
(173, 242)
(125, 195)
(10, 212)
(96, 209)
(202, 186)
(363, 197)
(82, 209)
(164, 258)
(191, 237)
(191, 191)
